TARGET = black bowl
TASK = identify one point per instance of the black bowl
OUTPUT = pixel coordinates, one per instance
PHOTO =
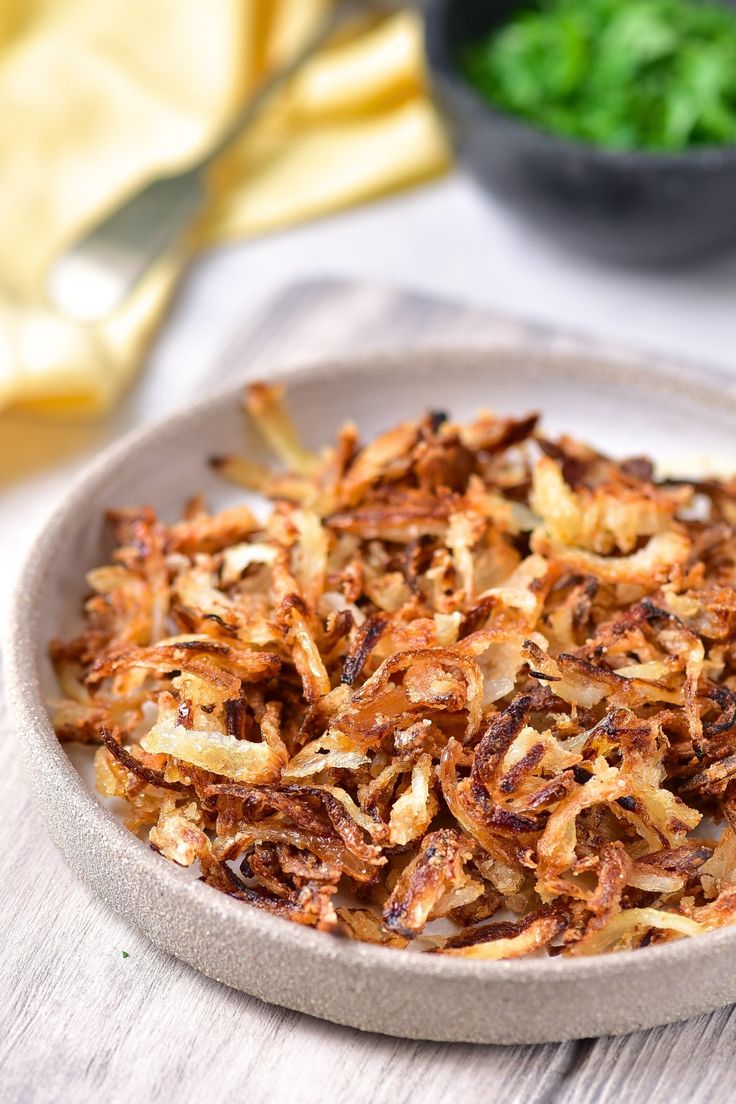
(642, 207)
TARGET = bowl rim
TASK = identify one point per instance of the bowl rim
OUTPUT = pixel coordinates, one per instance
(441, 63)
(22, 644)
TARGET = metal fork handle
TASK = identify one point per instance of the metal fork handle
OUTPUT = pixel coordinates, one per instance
(341, 13)
(93, 276)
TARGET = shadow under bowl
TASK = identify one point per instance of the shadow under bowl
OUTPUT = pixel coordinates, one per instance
(647, 208)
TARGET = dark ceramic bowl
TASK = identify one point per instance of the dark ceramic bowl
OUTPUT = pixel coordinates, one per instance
(646, 208)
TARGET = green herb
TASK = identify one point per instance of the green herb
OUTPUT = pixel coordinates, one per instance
(626, 74)
(125, 954)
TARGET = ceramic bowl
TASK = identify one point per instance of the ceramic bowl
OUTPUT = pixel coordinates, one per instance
(642, 208)
(613, 402)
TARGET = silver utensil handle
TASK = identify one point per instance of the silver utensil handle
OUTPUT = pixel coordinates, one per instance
(339, 14)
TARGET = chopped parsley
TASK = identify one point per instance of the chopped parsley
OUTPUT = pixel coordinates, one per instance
(639, 74)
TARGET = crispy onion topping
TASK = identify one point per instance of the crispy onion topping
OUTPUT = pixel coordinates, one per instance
(465, 688)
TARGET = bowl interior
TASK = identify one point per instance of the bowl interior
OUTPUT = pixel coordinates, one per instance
(463, 22)
(453, 25)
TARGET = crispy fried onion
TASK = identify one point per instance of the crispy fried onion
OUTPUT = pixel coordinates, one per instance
(458, 673)
(507, 940)
(429, 882)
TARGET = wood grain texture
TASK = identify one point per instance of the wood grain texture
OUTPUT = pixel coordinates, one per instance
(79, 1022)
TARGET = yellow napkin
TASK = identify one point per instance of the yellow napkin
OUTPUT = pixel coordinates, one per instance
(97, 96)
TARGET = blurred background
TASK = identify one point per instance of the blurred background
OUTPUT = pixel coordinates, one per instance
(496, 156)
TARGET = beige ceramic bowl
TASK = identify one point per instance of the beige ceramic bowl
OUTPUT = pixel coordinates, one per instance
(666, 412)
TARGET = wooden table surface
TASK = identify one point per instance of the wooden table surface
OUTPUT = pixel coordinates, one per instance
(81, 1022)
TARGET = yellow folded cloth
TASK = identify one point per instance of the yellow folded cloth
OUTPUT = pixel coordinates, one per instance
(98, 96)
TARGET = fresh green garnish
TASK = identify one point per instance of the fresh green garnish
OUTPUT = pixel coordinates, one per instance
(125, 954)
(626, 74)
